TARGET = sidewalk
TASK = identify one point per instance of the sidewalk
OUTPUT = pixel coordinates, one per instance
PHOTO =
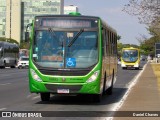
(144, 96)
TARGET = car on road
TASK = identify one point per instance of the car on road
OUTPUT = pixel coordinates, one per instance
(23, 62)
(119, 61)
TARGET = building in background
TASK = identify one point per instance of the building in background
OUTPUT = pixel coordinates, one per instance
(13, 19)
(2, 18)
(70, 8)
(16, 14)
(31, 8)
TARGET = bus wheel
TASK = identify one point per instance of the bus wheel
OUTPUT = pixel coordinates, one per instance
(5, 65)
(12, 66)
(2, 67)
(124, 68)
(137, 68)
(110, 89)
(19, 67)
(104, 84)
(45, 96)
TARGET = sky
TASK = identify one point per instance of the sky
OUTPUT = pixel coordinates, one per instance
(127, 26)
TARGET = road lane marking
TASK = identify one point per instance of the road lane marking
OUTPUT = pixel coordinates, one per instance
(29, 96)
(129, 86)
(6, 84)
(1, 109)
(37, 97)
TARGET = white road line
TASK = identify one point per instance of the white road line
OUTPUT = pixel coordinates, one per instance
(2, 109)
(29, 96)
(118, 105)
(37, 97)
(6, 84)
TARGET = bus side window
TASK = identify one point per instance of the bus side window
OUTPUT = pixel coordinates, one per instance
(104, 42)
(115, 45)
(108, 42)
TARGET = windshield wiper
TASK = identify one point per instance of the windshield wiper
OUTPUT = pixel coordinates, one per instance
(51, 30)
(75, 38)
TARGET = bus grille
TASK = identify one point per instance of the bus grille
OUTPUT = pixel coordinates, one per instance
(72, 88)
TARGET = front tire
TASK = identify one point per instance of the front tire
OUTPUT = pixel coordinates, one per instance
(12, 66)
(137, 68)
(45, 96)
(4, 64)
(20, 67)
(110, 89)
(124, 68)
(104, 85)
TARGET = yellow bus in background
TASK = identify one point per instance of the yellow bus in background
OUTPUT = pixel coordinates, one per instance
(130, 58)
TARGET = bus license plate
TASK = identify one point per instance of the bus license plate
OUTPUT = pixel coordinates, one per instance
(62, 90)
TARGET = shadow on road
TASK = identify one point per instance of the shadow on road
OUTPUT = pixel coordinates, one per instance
(86, 100)
(141, 68)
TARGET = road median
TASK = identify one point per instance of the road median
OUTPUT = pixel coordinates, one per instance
(145, 94)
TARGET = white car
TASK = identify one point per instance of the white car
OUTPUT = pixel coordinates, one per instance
(119, 61)
(23, 62)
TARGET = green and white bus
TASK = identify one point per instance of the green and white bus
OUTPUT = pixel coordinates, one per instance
(72, 54)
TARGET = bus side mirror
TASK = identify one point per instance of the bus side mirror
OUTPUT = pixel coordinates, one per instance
(26, 36)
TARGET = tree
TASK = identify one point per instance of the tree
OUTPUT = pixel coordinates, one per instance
(155, 28)
(120, 46)
(24, 45)
(148, 11)
(148, 45)
(118, 37)
(8, 40)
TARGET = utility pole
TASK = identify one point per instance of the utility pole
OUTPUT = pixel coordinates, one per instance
(10, 18)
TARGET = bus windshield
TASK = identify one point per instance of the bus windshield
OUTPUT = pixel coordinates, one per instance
(51, 49)
(130, 55)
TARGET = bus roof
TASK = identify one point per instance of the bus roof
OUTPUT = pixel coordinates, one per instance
(79, 16)
(108, 26)
(75, 16)
(8, 43)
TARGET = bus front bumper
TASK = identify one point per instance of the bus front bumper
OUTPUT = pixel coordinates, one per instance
(68, 88)
(135, 65)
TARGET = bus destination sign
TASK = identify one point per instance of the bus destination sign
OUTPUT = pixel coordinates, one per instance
(66, 23)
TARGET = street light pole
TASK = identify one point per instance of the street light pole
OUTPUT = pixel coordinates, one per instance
(10, 17)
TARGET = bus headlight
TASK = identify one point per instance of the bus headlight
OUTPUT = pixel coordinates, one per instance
(35, 76)
(93, 77)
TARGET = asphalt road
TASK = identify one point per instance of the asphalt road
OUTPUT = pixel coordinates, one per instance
(15, 95)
